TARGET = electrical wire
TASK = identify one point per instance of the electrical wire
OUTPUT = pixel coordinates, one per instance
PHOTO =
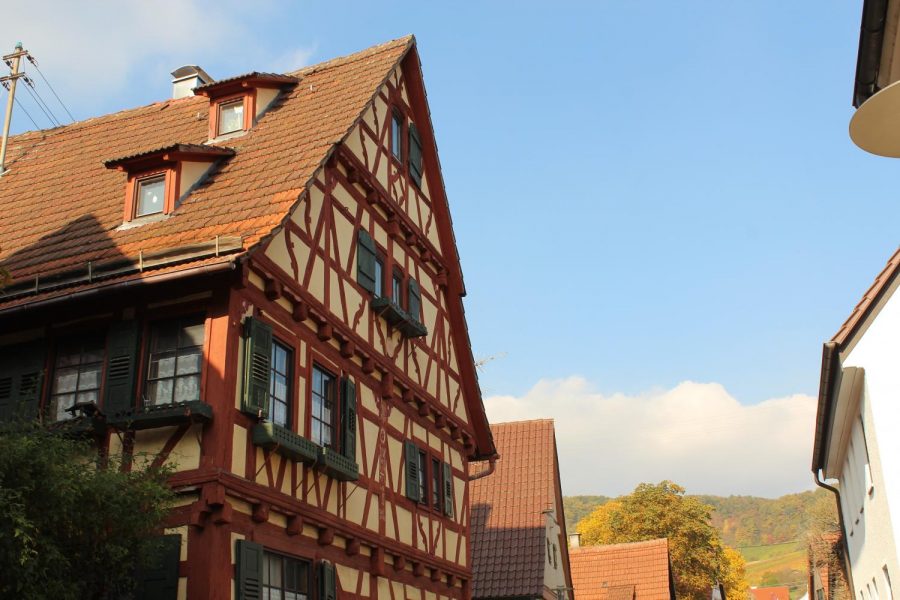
(61, 103)
(28, 114)
(43, 106)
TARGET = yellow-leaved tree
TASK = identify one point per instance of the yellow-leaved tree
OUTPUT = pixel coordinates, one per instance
(699, 558)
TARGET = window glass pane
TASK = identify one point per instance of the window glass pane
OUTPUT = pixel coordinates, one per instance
(397, 292)
(379, 277)
(187, 388)
(191, 335)
(396, 135)
(150, 196)
(231, 116)
(66, 380)
(90, 396)
(162, 365)
(58, 406)
(175, 362)
(165, 337)
(188, 363)
(160, 392)
(436, 484)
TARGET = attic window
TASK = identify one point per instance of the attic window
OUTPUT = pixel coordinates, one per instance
(150, 195)
(231, 116)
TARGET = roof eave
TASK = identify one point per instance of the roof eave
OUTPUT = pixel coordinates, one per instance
(871, 43)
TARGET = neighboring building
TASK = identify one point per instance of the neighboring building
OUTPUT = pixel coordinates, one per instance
(635, 571)
(856, 447)
(826, 560)
(518, 526)
(259, 284)
(780, 592)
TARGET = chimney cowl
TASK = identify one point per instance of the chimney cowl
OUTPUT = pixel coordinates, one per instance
(186, 78)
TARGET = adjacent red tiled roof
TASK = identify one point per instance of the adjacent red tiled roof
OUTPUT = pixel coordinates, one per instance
(508, 527)
(869, 299)
(608, 572)
(62, 207)
(771, 593)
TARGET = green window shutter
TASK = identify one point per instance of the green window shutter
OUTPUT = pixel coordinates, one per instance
(448, 490)
(414, 302)
(257, 356)
(327, 584)
(121, 366)
(8, 374)
(415, 154)
(365, 261)
(157, 574)
(28, 380)
(412, 471)
(348, 418)
(248, 570)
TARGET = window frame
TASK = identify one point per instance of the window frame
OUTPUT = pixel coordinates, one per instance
(54, 367)
(398, 126)
(334, 374)
(249, 100)
(289, 379)
(380, 270)
(146, 355)
(398, 286)
(220, 106)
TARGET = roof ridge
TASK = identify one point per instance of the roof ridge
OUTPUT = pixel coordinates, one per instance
(524, 422)
(622, 545)
(359, 54)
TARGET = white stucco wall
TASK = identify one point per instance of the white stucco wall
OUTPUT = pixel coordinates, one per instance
(554, 574)
(871, 532)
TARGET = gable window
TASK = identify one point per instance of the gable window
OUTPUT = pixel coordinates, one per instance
(76, 376)
(323, 394)
(231, 116)
(150, 195)
(284, 577)
(397, 135)
(176, 352)
(280, 384)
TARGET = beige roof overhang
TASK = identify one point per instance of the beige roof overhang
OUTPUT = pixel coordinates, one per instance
(875, 126)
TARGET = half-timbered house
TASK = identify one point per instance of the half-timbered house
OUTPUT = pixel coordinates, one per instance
(258, 284)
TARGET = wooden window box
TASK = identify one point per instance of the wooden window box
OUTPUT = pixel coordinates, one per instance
(285, 442)
(398, 318)
(336, 465)
(149, 417)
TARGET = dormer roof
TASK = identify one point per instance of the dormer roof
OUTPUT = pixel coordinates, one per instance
(238, 83)
(168, 154)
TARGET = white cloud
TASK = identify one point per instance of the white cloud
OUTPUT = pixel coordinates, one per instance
(293, 59)
(695, 434)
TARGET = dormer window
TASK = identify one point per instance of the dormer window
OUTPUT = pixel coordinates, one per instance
(159, 180)
(151, 195)
(231, 116)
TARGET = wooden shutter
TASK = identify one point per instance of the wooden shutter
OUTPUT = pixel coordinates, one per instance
(448, 490)
(257, 359)
(121, 366)
(157, 574)
(327, 584)
(365, 261)
(248, 570)
(415, 154)
(412, 471)
(414, 300)
(7, 373)
(348, 418)
(25, 395)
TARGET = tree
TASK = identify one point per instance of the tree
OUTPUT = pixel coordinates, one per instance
(73, 525)
(699, 558)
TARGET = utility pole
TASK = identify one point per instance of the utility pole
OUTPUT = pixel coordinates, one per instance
(12, 78)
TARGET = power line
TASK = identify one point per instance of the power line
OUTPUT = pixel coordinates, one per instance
(28, 114)
(32, 60)
(42, 105)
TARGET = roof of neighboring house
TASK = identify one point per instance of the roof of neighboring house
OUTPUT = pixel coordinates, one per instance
(62, 207)
(609, 572)
(508, 525)
(869, 299)
(780, 592)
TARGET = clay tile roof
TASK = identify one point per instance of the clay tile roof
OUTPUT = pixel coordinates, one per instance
(255, 78)
(508, 527)
(63, 209)
(869, 299)
(771, 593)
(198, 149)
(608, 572)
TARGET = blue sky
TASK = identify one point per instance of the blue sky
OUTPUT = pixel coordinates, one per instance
(645, 195)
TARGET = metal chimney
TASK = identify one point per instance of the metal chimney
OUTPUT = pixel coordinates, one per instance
(186, 78)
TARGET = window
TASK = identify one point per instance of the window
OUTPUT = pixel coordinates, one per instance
(150, 195)
(397, 136)
(415, 155)
(323, 407)
(280, 384)
(436, 484)
(423, 477)
(379, 276)
(549, 560)
(397, 288)
(176, 350)
(555, 557)
(284, 578)
(231, 116)
(76, 376)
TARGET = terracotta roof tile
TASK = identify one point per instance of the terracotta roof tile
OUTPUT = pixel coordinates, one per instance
(508, 525)
(63, 208)
(609, 572)
(771, 593)
(881, 283)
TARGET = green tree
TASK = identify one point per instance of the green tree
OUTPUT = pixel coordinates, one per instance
(72, 525)
(699, 558)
